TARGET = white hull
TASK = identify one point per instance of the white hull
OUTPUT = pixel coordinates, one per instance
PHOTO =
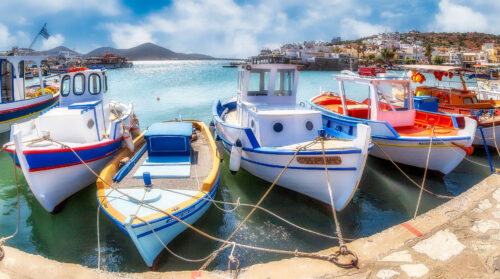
(488, 135)
(309, 180)
(414, 153)
(52, 187)
(148, 244)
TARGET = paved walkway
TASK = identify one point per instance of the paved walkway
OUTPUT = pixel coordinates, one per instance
(458, 239)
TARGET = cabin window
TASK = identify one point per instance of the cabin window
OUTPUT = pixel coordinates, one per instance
(6, 82)
(94, 84)
(467, 100)
(105, 82)
(78, 84)
(278, 127)
(21, 69)
(258, 82)
(65, 86)
(283, 85)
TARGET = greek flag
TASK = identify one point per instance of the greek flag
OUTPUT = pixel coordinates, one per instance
(44, 33)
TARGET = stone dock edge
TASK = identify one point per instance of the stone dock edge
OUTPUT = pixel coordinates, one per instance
(458, 239)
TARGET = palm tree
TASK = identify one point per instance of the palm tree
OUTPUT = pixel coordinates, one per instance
(387, 54)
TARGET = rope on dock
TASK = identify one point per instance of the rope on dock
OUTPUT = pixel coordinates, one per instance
(409, 178)
(3, 239)
(425, 173)
(343, 251)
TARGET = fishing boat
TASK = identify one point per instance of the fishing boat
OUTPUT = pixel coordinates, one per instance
(56, 149)
(175, 169)
(459, 99)
(400, 132)
(263, 128)
(16, 105)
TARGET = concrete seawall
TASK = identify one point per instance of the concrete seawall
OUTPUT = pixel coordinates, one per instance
(458, 239)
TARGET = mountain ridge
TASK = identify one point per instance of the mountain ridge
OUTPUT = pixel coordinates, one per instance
(145, 51)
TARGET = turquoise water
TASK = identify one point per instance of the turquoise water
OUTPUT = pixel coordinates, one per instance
(384, 198)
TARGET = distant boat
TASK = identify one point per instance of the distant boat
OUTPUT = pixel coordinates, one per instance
(398, 129)
(175, 168)
(108, 61)
(16, 104)
(264, 126)
(43, 147)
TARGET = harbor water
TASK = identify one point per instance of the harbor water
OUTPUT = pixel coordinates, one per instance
(165, 90)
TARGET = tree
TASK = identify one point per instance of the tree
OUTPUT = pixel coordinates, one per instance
(336, 50)
(428, 52)
(387, 54)
(410, 61)
(438, 60)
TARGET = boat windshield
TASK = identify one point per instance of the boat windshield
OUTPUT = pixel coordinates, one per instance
(258, 82)
(283, 85)
(392, 94)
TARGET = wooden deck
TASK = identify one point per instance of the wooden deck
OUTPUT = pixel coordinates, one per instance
(201, 165)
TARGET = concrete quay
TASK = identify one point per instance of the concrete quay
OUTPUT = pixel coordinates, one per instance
(458, 239)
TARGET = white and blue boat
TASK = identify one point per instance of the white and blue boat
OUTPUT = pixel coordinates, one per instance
(400, 132)
(15, 104)
(44, 147)
(175, 169)
(263, 127)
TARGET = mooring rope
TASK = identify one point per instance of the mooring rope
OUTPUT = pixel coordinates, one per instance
(205, 265)
(3, 239)
(409, 178)
(425, 173)
(331, 258)
(342, 247)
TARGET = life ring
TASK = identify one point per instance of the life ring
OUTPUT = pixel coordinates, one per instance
(446, 99)
(77, 69)
(248, 67)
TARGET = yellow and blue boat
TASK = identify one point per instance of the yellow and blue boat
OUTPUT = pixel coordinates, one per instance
(175, 170)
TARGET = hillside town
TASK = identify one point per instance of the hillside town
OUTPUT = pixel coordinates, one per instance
(385, 48)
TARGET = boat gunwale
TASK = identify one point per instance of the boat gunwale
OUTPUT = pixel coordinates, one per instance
(209, 183)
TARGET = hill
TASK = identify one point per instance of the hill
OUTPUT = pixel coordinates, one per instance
(60, 49)
(469, 40)
(147, 51)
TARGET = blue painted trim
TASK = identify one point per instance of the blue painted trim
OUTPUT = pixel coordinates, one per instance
(24, 112)
(292, 167)
(275, 151)
(121, 173)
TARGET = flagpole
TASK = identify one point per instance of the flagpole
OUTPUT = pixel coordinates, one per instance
(36, 37)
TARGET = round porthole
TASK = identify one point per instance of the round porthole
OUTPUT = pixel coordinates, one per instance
(309, 125)
(278, 127)
(90, 123)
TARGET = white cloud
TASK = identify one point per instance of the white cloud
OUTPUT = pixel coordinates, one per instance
(126, 35)
(8, 40)
(453, 17)
(224, 28)
(104, 7)
(52, 42)
(353, 28)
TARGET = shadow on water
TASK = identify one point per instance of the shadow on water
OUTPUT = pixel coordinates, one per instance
(384, 198)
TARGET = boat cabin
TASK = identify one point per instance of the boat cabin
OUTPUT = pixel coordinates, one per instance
(447, 94)
(82, 85)
(12, 82)
(81, 103)
(266, 103)
(382, 100)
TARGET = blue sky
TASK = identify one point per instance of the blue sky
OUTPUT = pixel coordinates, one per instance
(231, 28)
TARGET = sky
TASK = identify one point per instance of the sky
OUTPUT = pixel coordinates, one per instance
(231, 28)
